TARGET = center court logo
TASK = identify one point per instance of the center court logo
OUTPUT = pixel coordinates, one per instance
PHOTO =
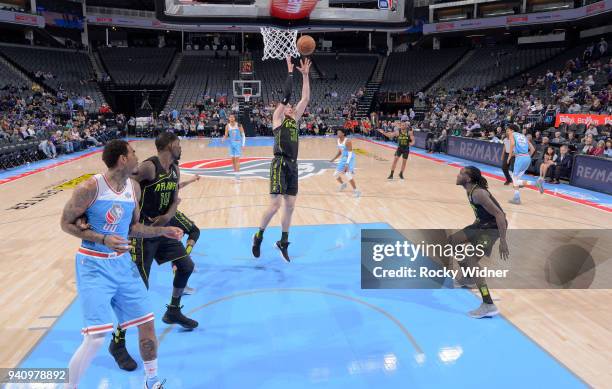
(255, 167)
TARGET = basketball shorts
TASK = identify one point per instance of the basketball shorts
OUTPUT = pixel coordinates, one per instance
(483, 234)
(161, 249)
(108, 285)
(235, 149)
(181, 221)
(283, 176)
(521, 164)
(343, 164)
(402, 152)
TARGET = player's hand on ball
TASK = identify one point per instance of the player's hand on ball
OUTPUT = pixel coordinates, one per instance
(117, 243)
(304, 66)
(504, 253)
(172, 233)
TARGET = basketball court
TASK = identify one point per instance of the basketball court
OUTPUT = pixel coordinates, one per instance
(268, 324)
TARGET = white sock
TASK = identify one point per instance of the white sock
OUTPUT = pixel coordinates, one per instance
(82, 358)
(517, 193)
(150, 368)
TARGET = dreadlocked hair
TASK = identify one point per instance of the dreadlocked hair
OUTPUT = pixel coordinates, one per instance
(476, 176)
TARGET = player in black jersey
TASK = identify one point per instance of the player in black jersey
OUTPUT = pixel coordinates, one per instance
(284, 167)
(489, 226)
(190, 229)
(158, 177)
(405, 139)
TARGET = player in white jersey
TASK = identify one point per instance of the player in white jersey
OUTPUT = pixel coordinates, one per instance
(346, 165)
(107, 279)
(235, 132)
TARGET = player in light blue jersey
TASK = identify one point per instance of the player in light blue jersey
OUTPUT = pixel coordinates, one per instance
(346, 165)
(235, 132)
(522, 150)
(108, 280)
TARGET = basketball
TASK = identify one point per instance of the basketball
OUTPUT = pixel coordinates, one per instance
(306, 45)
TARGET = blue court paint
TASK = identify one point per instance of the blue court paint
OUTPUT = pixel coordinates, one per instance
(566, 189)
(260, 141)
(268, 324)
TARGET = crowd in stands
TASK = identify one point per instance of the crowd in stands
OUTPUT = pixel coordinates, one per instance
(38, 124)
(58, 123)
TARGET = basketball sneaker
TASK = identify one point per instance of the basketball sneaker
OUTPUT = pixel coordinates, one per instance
(188, 291)
(342, 187)
(463, 283)
(356, 193)
(484, 310)
(390, 176)
(515, 200)
(174, 315)
(154, 383)
(539, 184)
(282, 247)
(401, 176)
(119, 352)
(256, 245)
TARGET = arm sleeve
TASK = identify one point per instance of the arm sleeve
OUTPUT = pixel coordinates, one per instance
(287, 89)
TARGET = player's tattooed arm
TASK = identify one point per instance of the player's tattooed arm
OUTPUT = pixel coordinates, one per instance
(75, 208)
(144, 172)
(139, 230)
(412, 141)
(483, 198)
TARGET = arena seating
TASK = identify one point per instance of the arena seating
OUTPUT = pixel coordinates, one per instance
(490, 65)
(70, 70)
(137, 65)
(413, 71)
(200, 74)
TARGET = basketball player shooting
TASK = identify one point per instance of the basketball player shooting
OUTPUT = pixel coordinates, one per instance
(104, 267)
(284, 167)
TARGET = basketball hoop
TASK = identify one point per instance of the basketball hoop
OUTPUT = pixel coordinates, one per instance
(279, 43)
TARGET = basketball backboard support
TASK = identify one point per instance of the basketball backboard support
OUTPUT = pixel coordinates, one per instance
(250, 17)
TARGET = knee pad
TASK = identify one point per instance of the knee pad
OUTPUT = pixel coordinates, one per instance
(349, 176)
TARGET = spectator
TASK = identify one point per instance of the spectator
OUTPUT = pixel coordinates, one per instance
(436, 144)
(591, 130)
(598, 151)
(563, 166)
(588, 145)
(550, 159)
(48, 148)
(558, 138)
(608, 149)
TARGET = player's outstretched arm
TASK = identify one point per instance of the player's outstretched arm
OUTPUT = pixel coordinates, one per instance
(139, 230)
(389, 135)
(303, 103)
(278, 116)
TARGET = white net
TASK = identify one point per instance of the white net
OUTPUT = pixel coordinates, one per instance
(279, 43)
